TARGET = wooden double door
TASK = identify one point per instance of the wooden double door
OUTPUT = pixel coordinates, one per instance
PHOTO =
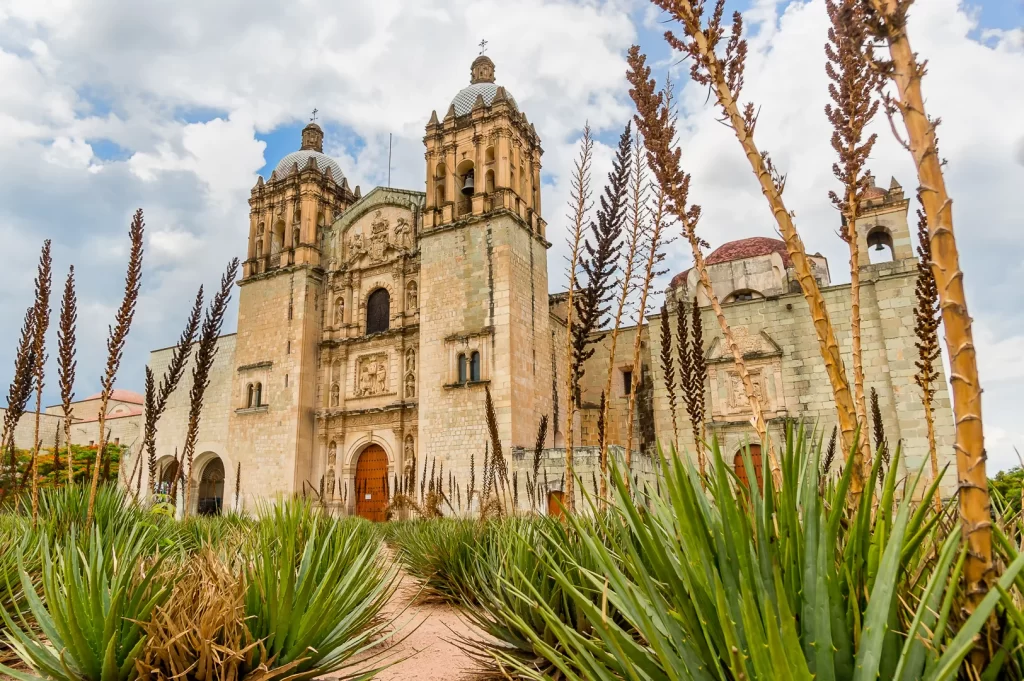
(372, 484)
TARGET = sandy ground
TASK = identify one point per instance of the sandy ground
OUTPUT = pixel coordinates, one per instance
(424, 638)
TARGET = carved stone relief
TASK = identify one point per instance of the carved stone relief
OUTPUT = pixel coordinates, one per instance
(372, 375)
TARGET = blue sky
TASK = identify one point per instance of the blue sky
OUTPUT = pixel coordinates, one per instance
(178, 106)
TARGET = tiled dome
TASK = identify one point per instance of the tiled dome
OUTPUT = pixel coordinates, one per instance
(302, 156)
(464, 101)
(738, 250)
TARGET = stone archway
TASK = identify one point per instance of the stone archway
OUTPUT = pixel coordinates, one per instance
(210, 497)
(371, 483)
(167, 471)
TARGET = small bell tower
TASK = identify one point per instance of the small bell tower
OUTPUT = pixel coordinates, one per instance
(882, 224)
(483, 156)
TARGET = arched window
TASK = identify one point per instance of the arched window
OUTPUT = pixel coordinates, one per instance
(462, 367)
(880, 246)
(296, 237)
(439, 181)
(250, 393)
(277, 238)
(743, 295)
(258, 395)
(378, 311)
(474, 367)
(489, 182)
(489, 155)
(741, 469)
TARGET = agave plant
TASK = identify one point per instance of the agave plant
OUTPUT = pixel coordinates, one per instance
(315, 587)
(441, 553)
(90, 611)
(776, 583)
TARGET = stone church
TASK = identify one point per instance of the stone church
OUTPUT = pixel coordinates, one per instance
(370, 324)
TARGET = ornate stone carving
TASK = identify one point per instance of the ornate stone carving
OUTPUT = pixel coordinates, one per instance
(378, 237)
(403, 234)
(332, 454)
(412, 299)
(372, 375)
(410, 359)
(410, 386)
(335, 395)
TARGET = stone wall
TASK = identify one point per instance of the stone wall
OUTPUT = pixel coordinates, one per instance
(796, 384)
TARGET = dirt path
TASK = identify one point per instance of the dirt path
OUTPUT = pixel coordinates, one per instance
(425, 638)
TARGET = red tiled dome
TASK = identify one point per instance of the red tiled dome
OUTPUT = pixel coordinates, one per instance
(740, 249)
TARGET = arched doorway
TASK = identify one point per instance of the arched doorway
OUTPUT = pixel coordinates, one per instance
(372, 483)
(741, 469)
(211, 488)
(168, 472)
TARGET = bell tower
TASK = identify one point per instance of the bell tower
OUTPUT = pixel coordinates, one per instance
(280, 305)
(882, 224)
(484, 319)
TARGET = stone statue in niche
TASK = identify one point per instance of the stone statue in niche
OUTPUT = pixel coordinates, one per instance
(403, 234)
(412, 299)
(372, 375)
(332, 454)
(378, 237)
(339, 311)
(335, 395)
(410, 360)
(329, 484)
(410, 459)
(410, 386)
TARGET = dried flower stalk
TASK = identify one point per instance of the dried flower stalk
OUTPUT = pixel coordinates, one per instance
(637, 201)
(115, 345)
(41, 311)
(66, 362)
(668, 371)
(19, 392)
(157, 397)
(926, 326)
(656, 122)
(580, 203)
(848, 66)
(887, 21)
(206, 352)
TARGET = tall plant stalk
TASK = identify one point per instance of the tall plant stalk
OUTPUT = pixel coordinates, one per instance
(580, 204)
(722, 73)
(41, 310)
(926, 326)
(853, 82)
(668, 371)
(656, 122)
(637, 198)
(66, 362)
(652, 241)
(157, 396)
(206, 352)
(18, 394)
(115, 346)
(887, 21)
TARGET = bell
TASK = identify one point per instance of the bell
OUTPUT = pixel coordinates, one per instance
(879, 246)
(467, 185)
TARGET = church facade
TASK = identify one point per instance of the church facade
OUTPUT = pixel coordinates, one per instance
(371, 325)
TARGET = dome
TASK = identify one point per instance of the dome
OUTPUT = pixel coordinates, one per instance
(741, 249)
(302, 156)
(464, 101)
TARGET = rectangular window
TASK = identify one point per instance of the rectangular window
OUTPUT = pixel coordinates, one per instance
(289, 349)
(627, 381)
(286, 380)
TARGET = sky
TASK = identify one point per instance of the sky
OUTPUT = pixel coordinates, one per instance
(177, 107)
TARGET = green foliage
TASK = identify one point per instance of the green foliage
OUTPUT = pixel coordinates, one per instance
(82, 460)
(90, 608)
(1009, 485)
(440, 552)
(315, 586)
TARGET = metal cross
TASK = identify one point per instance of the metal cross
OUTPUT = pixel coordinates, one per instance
(483, 46)
(315, 111)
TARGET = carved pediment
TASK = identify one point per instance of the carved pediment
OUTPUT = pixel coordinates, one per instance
(376, 229)
(752, 346)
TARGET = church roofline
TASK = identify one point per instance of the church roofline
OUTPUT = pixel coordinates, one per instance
(376, 197)
(171, 347)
